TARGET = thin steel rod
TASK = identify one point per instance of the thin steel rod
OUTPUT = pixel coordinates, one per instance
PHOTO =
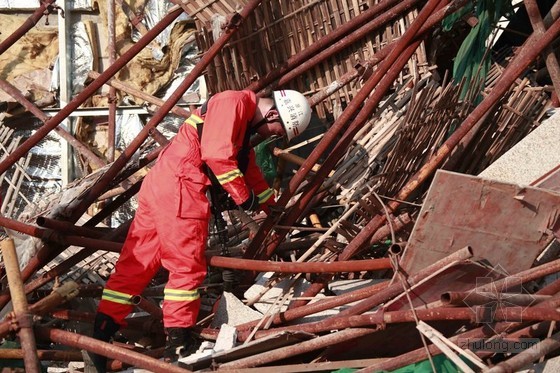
(112, 97)
(44, 355)
(19, 302)
(26, 26)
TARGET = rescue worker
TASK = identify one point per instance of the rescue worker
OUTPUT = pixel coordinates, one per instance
(170, 227)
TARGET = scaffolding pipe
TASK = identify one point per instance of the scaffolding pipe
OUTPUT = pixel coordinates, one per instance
(26, 26)
(381, 291)
(299, 267)
(107, 349)
(112, 98)
(19, 302)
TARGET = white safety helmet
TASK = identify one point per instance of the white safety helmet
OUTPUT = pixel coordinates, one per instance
(294, 110)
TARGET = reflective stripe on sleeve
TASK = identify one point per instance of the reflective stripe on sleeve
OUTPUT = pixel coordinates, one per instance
(229, 176)
(116, 297)
(193, 120)
(180, 295)
(265, 196)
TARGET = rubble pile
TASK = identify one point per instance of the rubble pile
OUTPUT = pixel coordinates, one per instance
(416, 225)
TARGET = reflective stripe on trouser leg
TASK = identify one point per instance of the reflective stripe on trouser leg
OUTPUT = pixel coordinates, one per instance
(183, 256)
(137, 265)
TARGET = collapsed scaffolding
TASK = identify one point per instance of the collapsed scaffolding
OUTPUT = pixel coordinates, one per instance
(372, 163)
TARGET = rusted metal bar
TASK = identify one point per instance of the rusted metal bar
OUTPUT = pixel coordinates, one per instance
(297, 349)
(44, 355)
(107, 349)
(112, 97)
(420, 354)
(550, 57)
(60, 238)
(298, 267)
(21, 311)
(523, 359)
(98, 188)
(59, 296)
(258, 251)
(69, 228)
(380, 318)
(320, 44)
(177, 110)
(31, 21)
(77, 145)
(148, 306)
(462, 298)
(382, 291)
(88, 91)
(531, 49)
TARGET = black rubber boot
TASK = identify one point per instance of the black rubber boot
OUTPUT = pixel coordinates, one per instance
(179, 342)
(104, 328)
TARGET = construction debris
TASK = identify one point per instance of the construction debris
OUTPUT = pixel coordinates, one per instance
(416, 225)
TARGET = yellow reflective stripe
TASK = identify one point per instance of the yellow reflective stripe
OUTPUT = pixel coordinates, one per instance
(229, 176)
(180, 295)
(116, 297)
(193, 120)
(264, 196)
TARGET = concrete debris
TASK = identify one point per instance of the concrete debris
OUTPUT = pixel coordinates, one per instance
(429, 158)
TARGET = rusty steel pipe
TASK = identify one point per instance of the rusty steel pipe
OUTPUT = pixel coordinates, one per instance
(57, 297)
(299, 267)
(148, 306)
(420, 354)
(320, 44)
(112, 97)
(26, 26)
(68, 240)
(88, 91)
(21, 310)
(65, 226)
(380, 318)
(75, 143)
(462, 298)
(46, 355)
(550, 57)
(107, 349)
(98, 188)
(297, 349)
(382, 291)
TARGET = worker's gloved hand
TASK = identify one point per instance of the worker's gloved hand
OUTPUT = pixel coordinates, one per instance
(252, 203)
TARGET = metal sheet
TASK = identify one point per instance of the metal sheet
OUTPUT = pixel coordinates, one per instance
(504, 223)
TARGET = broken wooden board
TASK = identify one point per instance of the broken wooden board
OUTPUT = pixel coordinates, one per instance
(506, 224)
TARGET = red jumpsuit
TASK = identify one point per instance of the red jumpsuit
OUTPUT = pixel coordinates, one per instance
(170, 227)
